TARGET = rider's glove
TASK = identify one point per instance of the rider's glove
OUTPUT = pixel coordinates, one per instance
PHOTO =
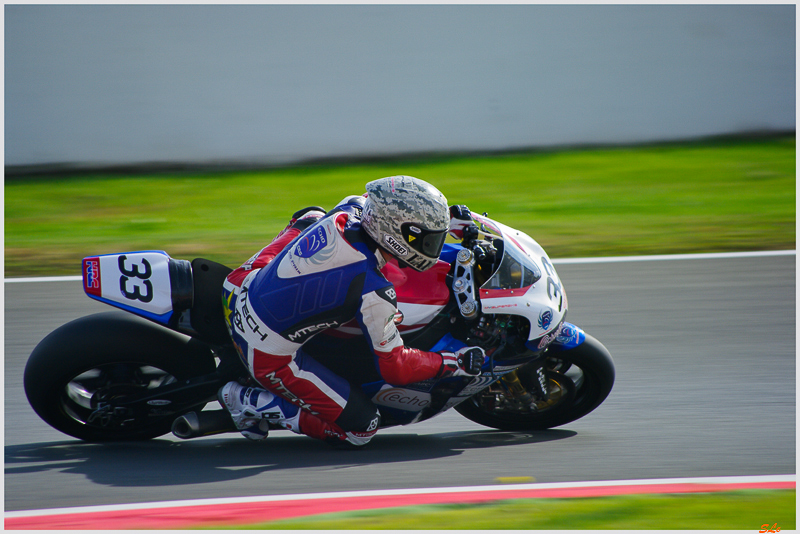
(465, 362)
(459, 219)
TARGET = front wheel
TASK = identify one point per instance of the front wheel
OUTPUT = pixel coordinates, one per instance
(578, 381)
(89, 363)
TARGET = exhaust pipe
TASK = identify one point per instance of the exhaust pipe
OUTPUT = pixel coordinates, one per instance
(195, 425)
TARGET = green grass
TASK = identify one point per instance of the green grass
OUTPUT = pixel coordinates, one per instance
(738, 510)
(678, 198)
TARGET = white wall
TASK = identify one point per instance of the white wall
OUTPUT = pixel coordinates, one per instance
(115, 84)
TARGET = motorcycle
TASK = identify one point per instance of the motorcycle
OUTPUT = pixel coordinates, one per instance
(153, 365)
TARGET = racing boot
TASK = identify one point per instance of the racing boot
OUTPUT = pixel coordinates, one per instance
(254, 409)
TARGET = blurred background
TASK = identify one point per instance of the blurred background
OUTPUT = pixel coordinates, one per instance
(619, 129)
(98, 85)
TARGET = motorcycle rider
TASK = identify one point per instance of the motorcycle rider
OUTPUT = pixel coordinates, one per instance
(320, 272)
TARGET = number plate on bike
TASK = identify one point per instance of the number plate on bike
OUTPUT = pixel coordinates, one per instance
(133, 280)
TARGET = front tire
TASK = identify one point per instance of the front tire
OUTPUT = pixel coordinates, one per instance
(579, 380)
(106, 356)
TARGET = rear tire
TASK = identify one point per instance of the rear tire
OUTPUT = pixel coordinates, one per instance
(108, 355)
(581, 377)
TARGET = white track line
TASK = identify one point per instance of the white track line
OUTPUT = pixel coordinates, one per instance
(564, 261)
(44, 279)
(667, 257)
(411, 491)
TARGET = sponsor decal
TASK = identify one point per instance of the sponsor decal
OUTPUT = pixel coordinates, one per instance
(545, 318)
(308, 330)
(159, 402)
(91, 276)
(570, 336)
(373, 425)
(499, 306)
(283, 391)
(395, 245)
(311, 243)
(567, 334)
(243, 316)
(419, 262)
(546, 340)
(294, 265)
(404, 399)
(391, 338)
(391, 293)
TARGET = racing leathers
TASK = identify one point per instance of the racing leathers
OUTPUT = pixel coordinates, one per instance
(321, 272)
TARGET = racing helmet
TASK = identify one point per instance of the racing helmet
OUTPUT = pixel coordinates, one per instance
(408, 218)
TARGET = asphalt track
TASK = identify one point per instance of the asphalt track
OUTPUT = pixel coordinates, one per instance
(706, 375)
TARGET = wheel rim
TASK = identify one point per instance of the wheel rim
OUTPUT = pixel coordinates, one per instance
(85, 398)
(499, 402)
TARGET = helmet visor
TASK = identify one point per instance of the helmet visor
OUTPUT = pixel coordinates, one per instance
(424, 241)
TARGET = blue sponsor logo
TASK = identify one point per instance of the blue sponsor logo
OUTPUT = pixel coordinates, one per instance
(311, 243)
(570, 336)
(545, 318)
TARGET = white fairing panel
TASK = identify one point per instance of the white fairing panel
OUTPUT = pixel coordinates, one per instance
(525, 283)
(135, 279)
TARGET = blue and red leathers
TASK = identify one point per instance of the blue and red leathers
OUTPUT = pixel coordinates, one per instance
(320, 273)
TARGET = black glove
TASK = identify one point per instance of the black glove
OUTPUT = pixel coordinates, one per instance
(460, 211)
(459, 218)
(466, 362)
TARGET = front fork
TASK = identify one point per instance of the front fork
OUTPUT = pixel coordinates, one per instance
(536, 391)
(568, 337)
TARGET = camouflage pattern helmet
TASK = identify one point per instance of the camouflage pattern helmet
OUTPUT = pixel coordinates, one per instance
(408, 218)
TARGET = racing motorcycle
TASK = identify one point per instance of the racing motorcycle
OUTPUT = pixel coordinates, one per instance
(153, 365)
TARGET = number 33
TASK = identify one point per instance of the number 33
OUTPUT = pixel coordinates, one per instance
(134, 272)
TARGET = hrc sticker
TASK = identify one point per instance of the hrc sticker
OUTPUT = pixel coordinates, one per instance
(91, 276)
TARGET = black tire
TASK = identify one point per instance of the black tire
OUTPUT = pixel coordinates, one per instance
(111, 353)
(583, 376)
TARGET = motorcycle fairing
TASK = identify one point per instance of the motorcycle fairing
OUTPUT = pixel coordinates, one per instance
(568, 337)
(146, 283)
(524, 283)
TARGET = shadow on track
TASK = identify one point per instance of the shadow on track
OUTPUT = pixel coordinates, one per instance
(210, 460)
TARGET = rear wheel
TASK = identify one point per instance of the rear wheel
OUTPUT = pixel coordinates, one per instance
(578, 381)
(75, 374)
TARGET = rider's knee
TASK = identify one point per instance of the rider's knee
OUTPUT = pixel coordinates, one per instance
(359, 413)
